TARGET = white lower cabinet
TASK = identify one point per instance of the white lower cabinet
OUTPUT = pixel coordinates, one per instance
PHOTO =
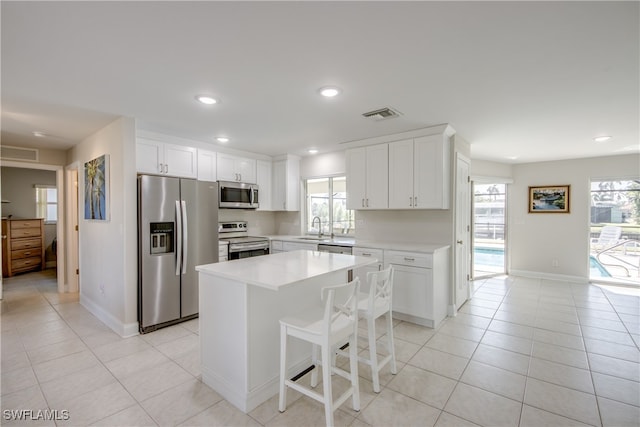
(276, 247)
(295, 246)
(420, 285)
(223, 251)
(361, 272)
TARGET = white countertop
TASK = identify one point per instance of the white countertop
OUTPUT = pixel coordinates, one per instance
(277, 271)
(428, 248)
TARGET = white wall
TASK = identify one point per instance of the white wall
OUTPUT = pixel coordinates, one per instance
(485, 168)
(538, 239)
(323, 165)
(108, 249)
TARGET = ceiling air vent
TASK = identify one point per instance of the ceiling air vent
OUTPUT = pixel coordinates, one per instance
(18, 153)
(381, 114)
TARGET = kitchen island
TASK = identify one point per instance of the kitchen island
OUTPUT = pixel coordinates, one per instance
(241, 303)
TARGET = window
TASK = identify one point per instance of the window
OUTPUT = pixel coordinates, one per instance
(47, 203)
(326, 199)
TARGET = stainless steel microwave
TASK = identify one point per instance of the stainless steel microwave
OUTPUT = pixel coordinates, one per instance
(238, 195)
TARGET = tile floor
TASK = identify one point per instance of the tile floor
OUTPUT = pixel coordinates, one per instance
(523, 352)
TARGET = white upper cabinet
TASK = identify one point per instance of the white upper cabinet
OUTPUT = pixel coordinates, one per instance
(263, 177)
(401, 174)
(207, 165)
(419, 173)
(431, 170)
(368, 177)
(234, 168)
(286, 183)
(166, 159)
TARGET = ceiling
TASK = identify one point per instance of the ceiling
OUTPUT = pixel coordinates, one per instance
(520, 81)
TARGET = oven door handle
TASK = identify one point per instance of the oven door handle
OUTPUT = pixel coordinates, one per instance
(248, 247)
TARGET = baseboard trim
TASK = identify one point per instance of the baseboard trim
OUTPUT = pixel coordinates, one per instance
(125, 330)
(549, 276)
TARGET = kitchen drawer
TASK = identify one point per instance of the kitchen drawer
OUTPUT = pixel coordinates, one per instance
(25, 232)
(368, 252)
(409, 258)
(26, 263)
(27, 223)
(26, 244)
(26, 253)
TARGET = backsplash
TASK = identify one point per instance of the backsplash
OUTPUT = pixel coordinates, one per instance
(419, 226)
(260, 223)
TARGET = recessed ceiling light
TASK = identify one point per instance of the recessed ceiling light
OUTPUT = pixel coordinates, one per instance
(39, 134)
(222, 139)
(603, 138)
(329, 91)
(313, 151)
(206, 99)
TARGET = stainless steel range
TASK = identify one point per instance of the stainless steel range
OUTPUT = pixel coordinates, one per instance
(241, 245)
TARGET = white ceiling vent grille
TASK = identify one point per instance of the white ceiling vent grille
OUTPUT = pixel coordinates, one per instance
(381, 114)
(18, 153)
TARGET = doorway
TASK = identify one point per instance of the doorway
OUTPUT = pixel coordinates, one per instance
(59, 242)
(489, 256)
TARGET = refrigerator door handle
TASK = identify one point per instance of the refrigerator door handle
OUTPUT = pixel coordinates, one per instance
(178, 237)
(185, 236)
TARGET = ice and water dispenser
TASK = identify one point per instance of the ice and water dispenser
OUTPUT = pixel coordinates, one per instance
(162, 237)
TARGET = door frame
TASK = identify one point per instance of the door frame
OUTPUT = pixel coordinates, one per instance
(60, 228)
(72, 226)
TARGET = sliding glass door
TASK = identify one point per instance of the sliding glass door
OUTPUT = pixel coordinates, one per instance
(614, 232)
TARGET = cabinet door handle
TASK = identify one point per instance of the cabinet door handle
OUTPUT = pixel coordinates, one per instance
(415, 202)
(366, 254)
(166, 168)
(410, 204)
(367, 202)
(240, 175)
(161, 168)
(363, 203)
(409, 259)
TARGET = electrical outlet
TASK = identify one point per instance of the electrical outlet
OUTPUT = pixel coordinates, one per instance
(555, 263)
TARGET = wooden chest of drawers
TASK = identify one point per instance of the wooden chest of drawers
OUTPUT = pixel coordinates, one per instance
(22, 246)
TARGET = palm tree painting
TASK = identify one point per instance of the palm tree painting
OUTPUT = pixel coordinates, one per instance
(96, 188)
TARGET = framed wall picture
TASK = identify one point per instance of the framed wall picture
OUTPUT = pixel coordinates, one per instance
(96, 189)
(549, 199)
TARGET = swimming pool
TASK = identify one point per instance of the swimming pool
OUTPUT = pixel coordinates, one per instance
(494, 257)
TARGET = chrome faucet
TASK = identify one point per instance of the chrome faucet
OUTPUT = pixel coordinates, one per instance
(313, 221)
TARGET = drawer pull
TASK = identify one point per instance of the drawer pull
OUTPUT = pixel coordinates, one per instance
(27, 253)
(366, 254)
(409, 259)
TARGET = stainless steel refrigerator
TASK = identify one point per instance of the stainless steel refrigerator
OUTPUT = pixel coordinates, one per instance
(177, 230)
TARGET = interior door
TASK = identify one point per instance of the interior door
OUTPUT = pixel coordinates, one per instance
(463, 232)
